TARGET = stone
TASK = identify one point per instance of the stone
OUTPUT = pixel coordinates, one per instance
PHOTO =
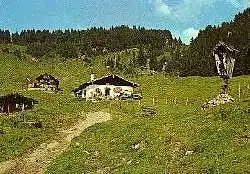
(189, 152)
(138, 146)
(220, 99)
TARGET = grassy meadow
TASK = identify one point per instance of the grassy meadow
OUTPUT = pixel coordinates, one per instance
(53, 110)
(179, 138)
(217, 137)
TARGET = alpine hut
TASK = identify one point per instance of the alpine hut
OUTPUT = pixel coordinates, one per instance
(15, 102)
(107, 87)
(44, 82)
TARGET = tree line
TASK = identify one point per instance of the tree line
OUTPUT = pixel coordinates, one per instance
(198, 58)
(94, 41)
(154, 49)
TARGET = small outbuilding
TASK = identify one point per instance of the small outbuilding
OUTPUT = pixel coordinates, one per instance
(15, 102)
(44, 82)
(108, 87)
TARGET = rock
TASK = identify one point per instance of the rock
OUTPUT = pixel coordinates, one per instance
(189, 152)
(96, 153)
(104, 170)
(129, 162)
(138, 146)
(220, 99)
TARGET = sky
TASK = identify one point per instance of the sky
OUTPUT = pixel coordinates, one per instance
(184, 18)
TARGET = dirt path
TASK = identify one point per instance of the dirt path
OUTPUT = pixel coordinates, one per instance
(37, 161)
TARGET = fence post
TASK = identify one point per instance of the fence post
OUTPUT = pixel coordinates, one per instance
(153, 101)
(175, 100)
(120, 104)
(239, 91)
(166, 101)
(110, 107)
(187, 101)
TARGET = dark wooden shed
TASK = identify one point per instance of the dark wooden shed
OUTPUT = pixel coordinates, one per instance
(44, 82)
(15, 102)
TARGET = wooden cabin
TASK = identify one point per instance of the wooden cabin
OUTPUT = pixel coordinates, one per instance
(44, 82)
(15, 102)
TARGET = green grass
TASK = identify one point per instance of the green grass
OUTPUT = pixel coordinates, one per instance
(218, 137)
(54, 110)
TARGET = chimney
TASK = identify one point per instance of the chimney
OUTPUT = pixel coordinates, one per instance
(92, 77)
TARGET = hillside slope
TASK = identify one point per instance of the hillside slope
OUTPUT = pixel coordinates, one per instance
(180, 138)
(174, 140)
(55, 111)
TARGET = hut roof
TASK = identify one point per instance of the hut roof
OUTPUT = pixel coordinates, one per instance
(16, 98)
(47, 79)
(110, 79)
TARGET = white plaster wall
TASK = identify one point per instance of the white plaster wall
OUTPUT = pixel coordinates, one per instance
(90, 90)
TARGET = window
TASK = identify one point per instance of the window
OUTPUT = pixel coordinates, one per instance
(107, 91)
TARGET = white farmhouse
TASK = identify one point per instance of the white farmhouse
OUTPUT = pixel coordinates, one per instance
(108, 87)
